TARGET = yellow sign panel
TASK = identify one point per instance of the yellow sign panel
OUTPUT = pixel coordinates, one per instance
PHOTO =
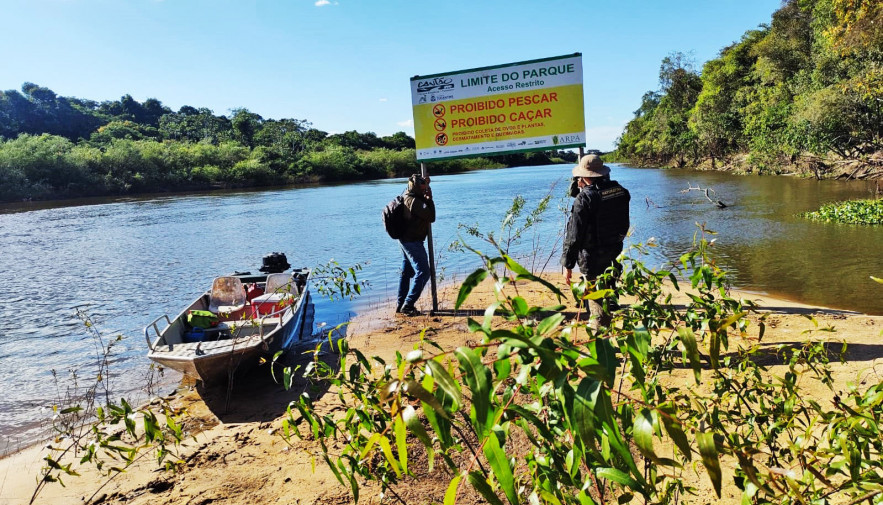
(527, 106)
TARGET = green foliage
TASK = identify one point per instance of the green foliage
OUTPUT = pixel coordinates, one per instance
(337, 282)
(810, 83)
(543, 409)
(660, 134)
(58, 147)
(91, 430)
(517, 224)
(122, 130)
(335, 162)
(849, 212)
(389, 163)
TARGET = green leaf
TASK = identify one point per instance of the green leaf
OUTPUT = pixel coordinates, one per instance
(373, 439)
(583, 417)
(469, 284)
(416, 390)
(520, 307)
(500, 465)
(710, 458)
(673, 427)
(335, 471)
(598, 295)
(714, 350)
(387, 451)
(618, 476)
(606, 354)
(550, 323)
(674, 281)
(489, 316)
(523, 274)
(445, 382)
(412, 421)
(593, 412)
(401, 442)
(643, 433)
(474, 326)
(549, 497)
(287, 377)
(484, 489)
(732, 319)
(451, 493)
(441, 424)
(515, 266)
(173, 426)
(692, 349)
(478, 378)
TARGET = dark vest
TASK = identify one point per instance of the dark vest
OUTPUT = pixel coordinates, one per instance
(610, 203)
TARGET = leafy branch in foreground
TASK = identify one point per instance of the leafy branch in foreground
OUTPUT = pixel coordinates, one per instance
(516, 223)
(546, 410)
(337, 282)
(108, 436)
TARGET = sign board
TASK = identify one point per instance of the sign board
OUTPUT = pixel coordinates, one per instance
(532, 105)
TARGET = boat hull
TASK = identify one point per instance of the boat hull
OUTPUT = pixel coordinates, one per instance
(233, 346)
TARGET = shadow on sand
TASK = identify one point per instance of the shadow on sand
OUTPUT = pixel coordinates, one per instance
(257, 396)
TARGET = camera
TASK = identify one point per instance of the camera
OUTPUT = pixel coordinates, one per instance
(573, 190)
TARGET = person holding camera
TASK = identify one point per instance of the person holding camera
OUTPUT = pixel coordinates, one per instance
(599, 222)
(419, 214)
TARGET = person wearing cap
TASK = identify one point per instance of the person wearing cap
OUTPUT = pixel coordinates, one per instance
(419, 213)
(599, 222)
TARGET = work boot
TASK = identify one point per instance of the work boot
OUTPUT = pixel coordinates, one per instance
(409, 310)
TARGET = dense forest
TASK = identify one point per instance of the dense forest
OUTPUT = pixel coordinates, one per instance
(63, 147)
(804, 93)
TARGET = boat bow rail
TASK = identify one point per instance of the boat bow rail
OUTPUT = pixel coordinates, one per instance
(156, 330)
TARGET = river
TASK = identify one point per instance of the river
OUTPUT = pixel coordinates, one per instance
(127, 261)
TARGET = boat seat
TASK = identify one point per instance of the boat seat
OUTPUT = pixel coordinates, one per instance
(227, 297)
(280, 287)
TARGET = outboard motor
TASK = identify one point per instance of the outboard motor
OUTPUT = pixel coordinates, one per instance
(275, 263)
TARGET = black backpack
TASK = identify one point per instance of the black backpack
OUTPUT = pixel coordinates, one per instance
(394, 217)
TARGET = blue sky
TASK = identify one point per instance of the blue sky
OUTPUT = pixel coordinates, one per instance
(346, 64)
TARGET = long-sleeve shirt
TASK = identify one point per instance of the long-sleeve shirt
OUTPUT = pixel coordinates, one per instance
(419, 213)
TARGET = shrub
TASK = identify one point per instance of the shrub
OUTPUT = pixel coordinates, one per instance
(543, 409)
(388, 163)
(332, 163)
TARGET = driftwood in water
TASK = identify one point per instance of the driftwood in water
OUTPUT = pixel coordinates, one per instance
(719, 204)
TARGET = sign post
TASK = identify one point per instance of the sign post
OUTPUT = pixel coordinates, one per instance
(424, 173)
(534, 105)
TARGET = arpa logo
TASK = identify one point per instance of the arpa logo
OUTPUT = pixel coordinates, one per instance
(437, 84)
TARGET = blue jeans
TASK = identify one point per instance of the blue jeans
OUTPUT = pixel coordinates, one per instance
(415, 264)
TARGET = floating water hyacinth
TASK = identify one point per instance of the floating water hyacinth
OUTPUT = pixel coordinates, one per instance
(849, 212)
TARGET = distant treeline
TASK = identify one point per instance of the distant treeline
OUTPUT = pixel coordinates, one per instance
(806, 89)
(63, 147)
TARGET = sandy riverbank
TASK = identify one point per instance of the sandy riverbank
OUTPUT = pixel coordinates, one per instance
(237, 455)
